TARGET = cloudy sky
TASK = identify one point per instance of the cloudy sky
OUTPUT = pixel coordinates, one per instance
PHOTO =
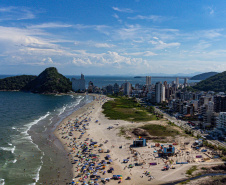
(118, 37)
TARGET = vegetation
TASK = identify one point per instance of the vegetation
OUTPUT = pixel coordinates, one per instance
(122, 108)
(215, 83)
(159, 130)
(15, 82)
(49, 81)
(191, 170)
(203, 76)
(172, 124)
(220, 148)
(185, 182)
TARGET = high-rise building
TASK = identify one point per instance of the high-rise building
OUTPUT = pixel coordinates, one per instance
(148, 80)
(221, 121)
(109, 89)
(220, 129)
(159, 92)
(220, 103)
(116, 88)
(78, 84)
(185, 81)
(127, 88)
(177, 81)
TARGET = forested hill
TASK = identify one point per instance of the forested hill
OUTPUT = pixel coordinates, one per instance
(15, 83)
(215, 83)
(203, 76)
(49, 81)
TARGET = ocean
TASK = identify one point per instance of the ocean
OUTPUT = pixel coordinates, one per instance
(29, 150)
(24, 150)
(101, 81)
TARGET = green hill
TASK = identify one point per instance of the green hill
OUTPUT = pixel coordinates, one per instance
(203, 76)
(214, 83)
(15, 83)
(49, 81)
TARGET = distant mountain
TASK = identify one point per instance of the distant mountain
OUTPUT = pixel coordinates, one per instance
(15, 83)
(203, 76)
(214, 83)
(49, 81)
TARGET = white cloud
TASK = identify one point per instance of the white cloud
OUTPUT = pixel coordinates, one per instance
(47, 60)
(202, 45)
(50, 25)
(145, 53)
(100, 28)
(110, 59)
(117, 17)
(103, 45)
(210, 10)
(162, 45)
(149, 17)
(125, 10)
(214, 33)
(15, 13)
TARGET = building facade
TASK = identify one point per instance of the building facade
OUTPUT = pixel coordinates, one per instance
(159, 92)
(148, 80)
(78, 84)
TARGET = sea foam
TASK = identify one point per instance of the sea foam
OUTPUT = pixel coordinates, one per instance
(2, 181)
(10, 149)
(29, 125)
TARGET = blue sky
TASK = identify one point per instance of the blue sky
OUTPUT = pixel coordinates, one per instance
(121, 37)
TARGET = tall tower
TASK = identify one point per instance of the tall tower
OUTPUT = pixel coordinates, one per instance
(82, 77)
(177, 81)
(185, 81)
(159, 92)
(148, 80)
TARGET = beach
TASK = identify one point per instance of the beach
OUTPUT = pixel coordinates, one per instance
(99, 154)
(107, 139)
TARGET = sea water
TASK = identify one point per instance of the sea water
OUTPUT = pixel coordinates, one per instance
(21, 154)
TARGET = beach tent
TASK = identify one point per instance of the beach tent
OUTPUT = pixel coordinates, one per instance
(125, 160)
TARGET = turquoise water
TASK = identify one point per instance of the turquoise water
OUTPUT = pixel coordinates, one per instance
(21, 159)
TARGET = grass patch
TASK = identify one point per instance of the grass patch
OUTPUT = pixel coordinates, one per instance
(122, 132)
(122, 108)
(171, 124)
(159, 130)
(191, 170)
(159, 141)
(185, 182)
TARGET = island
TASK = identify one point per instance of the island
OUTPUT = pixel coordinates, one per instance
(49, 81)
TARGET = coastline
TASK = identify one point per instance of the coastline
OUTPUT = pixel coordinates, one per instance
(55, 161)
(109, 139)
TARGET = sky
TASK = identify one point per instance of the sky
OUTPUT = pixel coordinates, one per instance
(115, 37)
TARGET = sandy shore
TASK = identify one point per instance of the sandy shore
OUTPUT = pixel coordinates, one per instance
(90, 130)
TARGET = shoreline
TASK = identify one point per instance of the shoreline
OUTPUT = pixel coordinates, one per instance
(50, 171)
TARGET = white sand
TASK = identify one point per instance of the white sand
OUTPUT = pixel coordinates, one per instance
(99, 133)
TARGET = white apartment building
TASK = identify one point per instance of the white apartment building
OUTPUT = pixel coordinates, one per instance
(220, 129)
(159, 92)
